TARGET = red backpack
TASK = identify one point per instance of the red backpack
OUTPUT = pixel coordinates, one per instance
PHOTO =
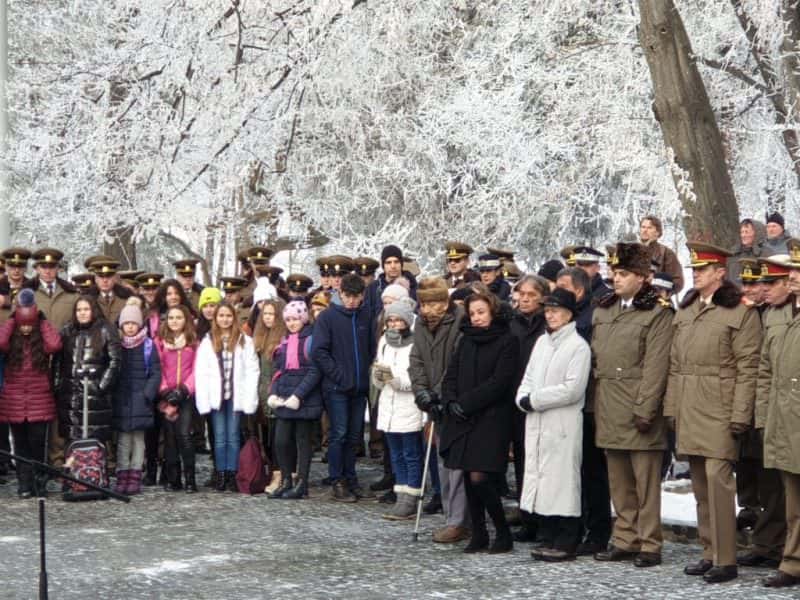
(252, 475)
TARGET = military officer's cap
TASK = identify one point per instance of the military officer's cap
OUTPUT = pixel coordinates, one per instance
(340, 265)
(105, 268)
(92, 259)
(186, 266)
(259, 254)
(299, 283)
(774, 267)
(16, 257)
(83, 281)
(574, 255)
(366, 265)
(232, 284)
(702, 254)
(130, 277)
(149, 281)
(751, 271)
(47, 256)
(457, 250)
(488, 262)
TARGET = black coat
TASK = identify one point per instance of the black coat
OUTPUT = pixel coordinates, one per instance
(480, 377)
(303, 382)
(96, 347)
(526, 329)
(135, 394)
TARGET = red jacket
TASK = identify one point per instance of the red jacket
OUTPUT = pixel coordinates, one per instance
(26, 394)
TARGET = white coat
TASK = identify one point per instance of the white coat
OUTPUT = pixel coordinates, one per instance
(397, 412)
(208, 377)
(555, 380)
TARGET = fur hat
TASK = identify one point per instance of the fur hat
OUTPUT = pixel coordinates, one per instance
(633, 257)
(26, 312)
(433, 289)
(402, 308)
(321, 298)
(131, 313)
(296, 309)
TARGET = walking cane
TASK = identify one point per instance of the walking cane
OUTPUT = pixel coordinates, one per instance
(424, 479)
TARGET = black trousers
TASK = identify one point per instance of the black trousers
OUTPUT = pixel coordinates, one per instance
(151, 438)
(596, 498)
(178, 437)
(293, 446)
(5, 444)
(559, 532)
(30, 441)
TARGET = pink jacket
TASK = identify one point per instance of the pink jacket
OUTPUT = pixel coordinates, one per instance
(177, 366)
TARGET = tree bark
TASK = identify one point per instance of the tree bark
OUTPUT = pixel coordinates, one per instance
(682, 109)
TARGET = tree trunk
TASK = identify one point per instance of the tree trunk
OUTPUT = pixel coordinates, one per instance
(683, 111)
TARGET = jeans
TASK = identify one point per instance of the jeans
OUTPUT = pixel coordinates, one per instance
(346, 414)
(130, 450)
(227, 440)
(407, 457)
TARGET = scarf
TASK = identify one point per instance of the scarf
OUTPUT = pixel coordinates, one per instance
(398, 338)
(134, 340)
(178, 343)
(292, 351)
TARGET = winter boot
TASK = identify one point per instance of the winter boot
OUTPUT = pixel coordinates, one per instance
(434, 505)
(300, 490)
(134, 482)
(386, 483)
(122, 481)
(151, 474)
(286, 486)
(190, 486)
(406, 506)
(162, 477)
(173, 478)
(274, 483)
(40, 484)
(230, 481)
(220, 481)
(24, 480)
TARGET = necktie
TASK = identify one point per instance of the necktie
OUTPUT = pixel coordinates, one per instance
(50, 289)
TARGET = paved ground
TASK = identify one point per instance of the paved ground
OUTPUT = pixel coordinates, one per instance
(170, 545)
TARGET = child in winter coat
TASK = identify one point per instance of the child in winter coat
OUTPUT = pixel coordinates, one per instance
(176, 345)
(297, 401)
(398, 415)
(227, 386)
(26, 398)
(134, 397)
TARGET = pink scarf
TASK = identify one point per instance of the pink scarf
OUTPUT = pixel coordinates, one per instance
(134, 340)
(292, 351)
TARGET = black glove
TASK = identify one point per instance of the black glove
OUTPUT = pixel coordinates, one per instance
(525, 404)
(424, 400)
(437, 413)
(454, 409)
(173, 397)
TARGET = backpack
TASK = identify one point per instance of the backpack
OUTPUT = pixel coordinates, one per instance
(148, 353)
(251, 478)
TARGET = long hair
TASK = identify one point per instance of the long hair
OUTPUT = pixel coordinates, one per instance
(189, 333)
(161, 296)
(93, 306)
(266, 340)
(236, 335)
(16, 350)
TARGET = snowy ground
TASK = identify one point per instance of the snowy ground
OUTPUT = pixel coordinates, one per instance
(170, 545)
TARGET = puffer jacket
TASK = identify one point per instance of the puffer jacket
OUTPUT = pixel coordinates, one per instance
(90, 351)
(137, 389)
(26, 394)
(397, 412)
(303, 382)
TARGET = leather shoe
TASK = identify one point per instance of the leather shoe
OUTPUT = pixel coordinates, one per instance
(647, 559)
(554, 555)
(451, 534)
(698, 568)
(615, 554)
(751, 559)
(721, 574)
(524, 535)
(780, 579)
(589, 548)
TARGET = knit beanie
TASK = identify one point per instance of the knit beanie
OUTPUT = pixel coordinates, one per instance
(550, 269)
(395, 291)
(296, 309)
(26, 312)
(403, 308)
(264, 290)
(391, 251)
(131, 313)
(209, 295)
(776, 217)
(433, 289)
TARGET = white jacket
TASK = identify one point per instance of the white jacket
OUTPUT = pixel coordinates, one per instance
(555, 380)
(397, 412)
(208, 377)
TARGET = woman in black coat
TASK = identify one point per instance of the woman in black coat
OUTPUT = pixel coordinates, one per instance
(478, 396)
(91, 348)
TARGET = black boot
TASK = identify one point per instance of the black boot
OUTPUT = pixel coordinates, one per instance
(172, 478)
(480, 536)
(162, 476)
(24, 480)
(285, 487)
(434, 505)
(151, 473)
(230, 481)
(190, 486)
(489, 495)
(219, 485)
(211, 482)
(383, 484)
(300, 490)
(40, 484)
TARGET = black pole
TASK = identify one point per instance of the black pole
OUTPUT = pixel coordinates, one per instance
(59, 473)
(42, 558)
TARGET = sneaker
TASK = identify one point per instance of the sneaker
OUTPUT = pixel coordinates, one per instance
(341, 493)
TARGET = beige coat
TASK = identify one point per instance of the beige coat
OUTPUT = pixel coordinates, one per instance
(630, 354)
(713, 371)
(60, 307)
(778, 404)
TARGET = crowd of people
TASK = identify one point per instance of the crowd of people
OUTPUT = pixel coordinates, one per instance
(589, 385)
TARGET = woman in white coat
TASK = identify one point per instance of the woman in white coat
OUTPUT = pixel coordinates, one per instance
(552, 394)
(226, 383)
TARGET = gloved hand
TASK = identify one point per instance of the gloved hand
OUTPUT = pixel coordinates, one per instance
(738, 428)
(274, 401)
(424, 400)
(292, 402)
(436, 412)
(525, 404)
(670, 423)
(642, 425)
(457, 411)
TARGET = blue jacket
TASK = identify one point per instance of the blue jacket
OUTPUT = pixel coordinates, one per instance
(343, 347)
(302, 382)
(136, 391)
(372, 295)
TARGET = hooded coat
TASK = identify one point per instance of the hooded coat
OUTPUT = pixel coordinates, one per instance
(713, 370)
(136, 391)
